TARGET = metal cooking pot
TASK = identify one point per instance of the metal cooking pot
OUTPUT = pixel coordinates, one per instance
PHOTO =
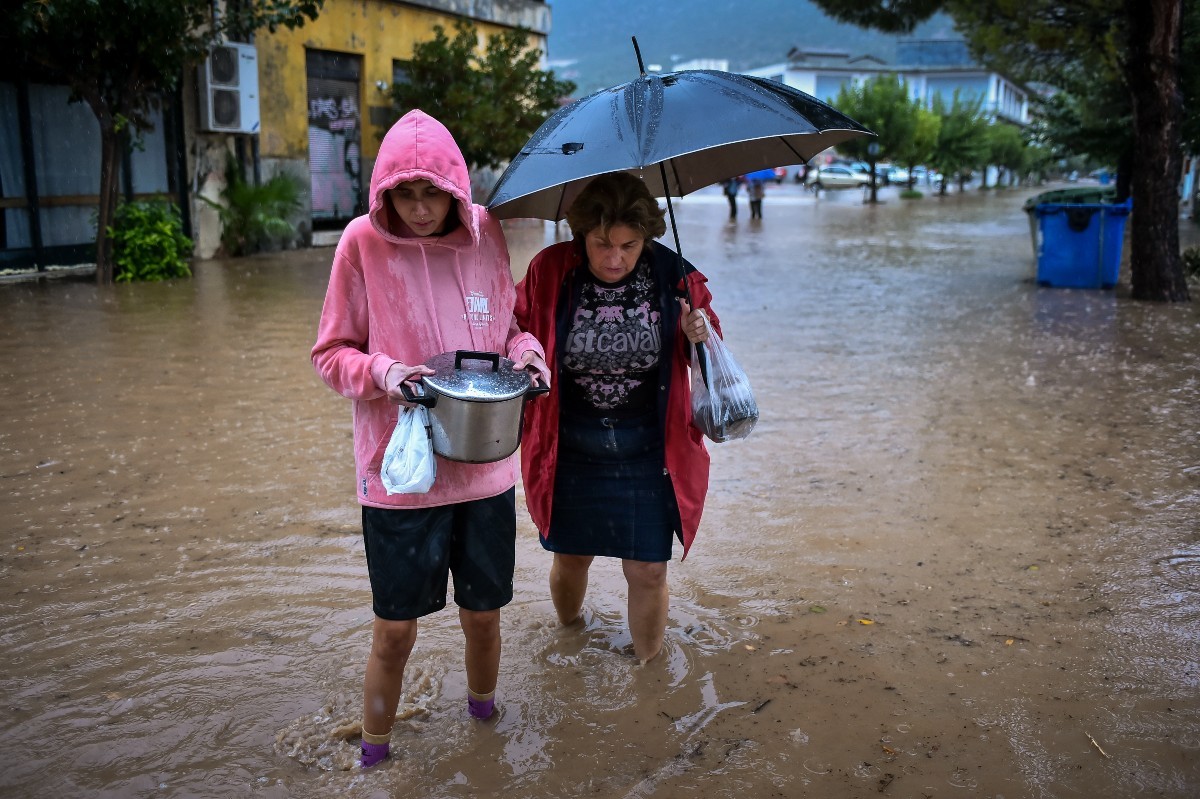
(474, 411)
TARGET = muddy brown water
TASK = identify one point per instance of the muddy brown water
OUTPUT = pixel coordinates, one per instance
(957, 558)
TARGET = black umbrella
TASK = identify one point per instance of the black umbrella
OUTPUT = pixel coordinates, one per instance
(697, 127)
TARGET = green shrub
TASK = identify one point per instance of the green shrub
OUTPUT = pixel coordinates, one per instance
(148, 243)
(255, 217)
(1191, 262)
(911, 194)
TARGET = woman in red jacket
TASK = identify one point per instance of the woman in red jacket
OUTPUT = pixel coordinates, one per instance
(612, 465)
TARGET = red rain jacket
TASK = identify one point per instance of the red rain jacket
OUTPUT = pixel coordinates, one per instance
(538, 300)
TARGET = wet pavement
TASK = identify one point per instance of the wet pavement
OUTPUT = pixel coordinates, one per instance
(959, 556)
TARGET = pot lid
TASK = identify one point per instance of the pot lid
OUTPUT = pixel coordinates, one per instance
(476, 376)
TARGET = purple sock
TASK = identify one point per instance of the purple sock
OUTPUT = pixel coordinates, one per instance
(481, 708)
(373, 753)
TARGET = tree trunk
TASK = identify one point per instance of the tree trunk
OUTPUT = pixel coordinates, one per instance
(1125, 175)
(1152, 71)
(110, 163)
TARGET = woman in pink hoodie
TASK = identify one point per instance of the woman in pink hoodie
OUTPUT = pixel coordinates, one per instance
(425, 271)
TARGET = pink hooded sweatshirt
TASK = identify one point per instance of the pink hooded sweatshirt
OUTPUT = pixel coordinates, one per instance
(395, 297)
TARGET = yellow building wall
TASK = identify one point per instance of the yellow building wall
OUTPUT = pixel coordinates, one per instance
(376, 30)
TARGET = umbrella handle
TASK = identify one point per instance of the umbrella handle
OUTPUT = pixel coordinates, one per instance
(638, 52)
(701, 355)
(687, 289)
(702, 359)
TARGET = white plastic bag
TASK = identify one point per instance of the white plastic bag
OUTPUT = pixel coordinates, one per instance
(723, 406)
(408, 464)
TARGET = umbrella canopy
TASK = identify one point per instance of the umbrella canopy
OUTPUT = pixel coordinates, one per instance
(701, 126)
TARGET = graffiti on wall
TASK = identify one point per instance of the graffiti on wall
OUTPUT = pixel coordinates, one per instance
(334, 151)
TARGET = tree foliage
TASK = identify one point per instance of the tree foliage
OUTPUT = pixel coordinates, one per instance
(491, 100)
(1005, 147)
(1190, 76)
(1098, 124)
(923, 144)
(962, 137)
(882, 104)
(121, 56)
(953, 137)
(890, 16)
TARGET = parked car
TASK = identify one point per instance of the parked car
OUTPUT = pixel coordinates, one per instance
(897, 174)
(837, 177)
(864, 167)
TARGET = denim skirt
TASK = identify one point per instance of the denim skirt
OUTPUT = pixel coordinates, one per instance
(611, 497)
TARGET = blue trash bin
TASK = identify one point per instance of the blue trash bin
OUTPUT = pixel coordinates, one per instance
(1080, 243)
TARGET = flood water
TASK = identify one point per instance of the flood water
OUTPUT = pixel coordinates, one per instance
(958, 557)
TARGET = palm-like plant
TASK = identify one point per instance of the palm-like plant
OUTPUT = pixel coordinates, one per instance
(254, 217)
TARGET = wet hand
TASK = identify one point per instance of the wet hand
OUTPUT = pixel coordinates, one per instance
(399, 373)
(693, 323)
(531, 359)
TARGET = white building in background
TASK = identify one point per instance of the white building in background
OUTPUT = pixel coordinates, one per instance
(929, 67)
(719, 64)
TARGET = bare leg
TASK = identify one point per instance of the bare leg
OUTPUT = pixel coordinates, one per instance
(648, 600)
(391, 644)
(482, 631)
(568, 584)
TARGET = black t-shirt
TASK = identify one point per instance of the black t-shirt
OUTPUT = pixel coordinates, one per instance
(610, 355)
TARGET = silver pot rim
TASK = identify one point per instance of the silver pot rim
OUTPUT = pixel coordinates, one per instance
(473, 376)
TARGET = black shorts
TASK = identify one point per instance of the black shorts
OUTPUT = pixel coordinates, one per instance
(411, 552)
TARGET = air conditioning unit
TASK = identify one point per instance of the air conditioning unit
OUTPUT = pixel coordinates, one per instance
(229, 89)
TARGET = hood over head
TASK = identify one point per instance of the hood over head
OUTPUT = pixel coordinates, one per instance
(418, 147)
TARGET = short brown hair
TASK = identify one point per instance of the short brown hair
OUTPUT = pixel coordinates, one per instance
(616, 198)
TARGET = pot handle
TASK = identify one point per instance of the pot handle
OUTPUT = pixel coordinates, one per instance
(475, 355)
(536, 387)
(424, 398)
